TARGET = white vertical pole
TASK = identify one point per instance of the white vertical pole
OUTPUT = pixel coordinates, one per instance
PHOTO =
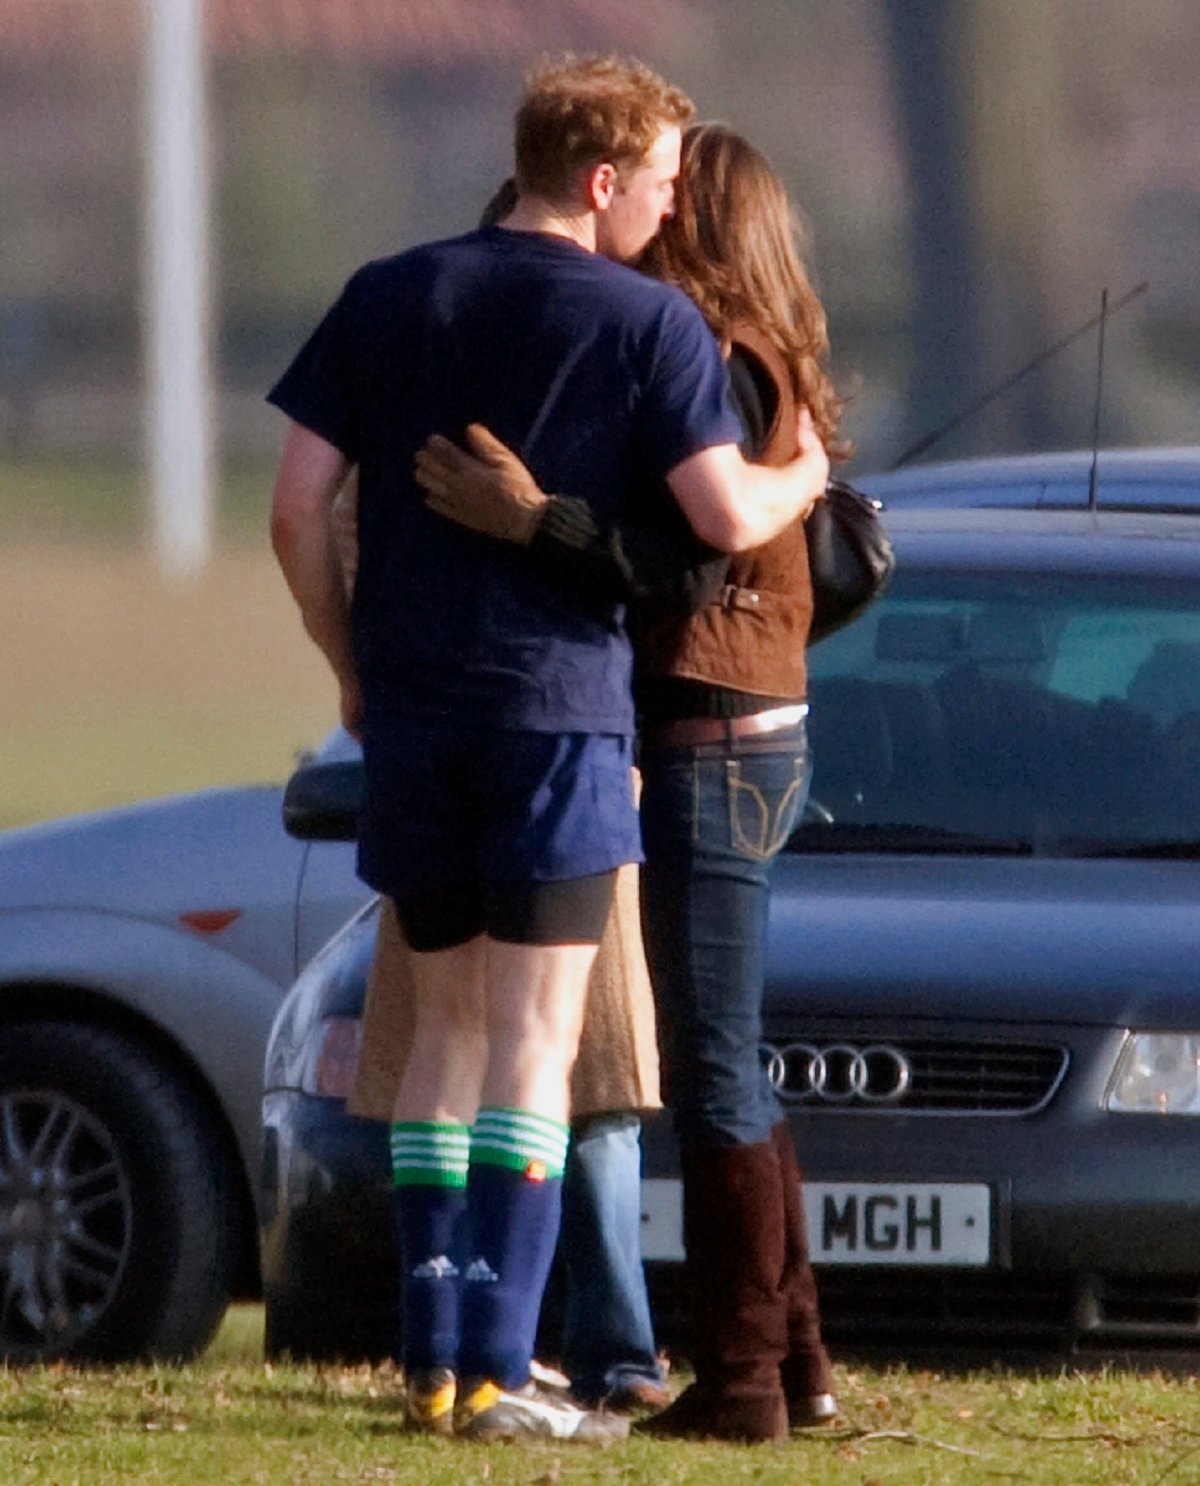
(179, 417)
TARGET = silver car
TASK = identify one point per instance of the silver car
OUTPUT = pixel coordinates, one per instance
(144, 952)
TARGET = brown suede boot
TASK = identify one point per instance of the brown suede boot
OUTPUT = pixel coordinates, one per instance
(806, 1372)
(734, 1236)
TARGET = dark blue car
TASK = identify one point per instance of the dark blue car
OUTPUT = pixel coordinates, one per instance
(1164, 480)
(983, 1010)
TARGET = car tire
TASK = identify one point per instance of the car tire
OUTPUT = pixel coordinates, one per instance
(117, 1236)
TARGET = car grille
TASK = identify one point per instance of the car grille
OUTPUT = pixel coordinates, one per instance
(871, 1074)
(1163, 1309)
(868, 1306)
(1099, 1314)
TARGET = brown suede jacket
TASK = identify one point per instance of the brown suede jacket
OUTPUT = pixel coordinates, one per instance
(752, 638)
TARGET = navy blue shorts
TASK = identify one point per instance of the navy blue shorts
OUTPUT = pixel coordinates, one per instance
(451, 804)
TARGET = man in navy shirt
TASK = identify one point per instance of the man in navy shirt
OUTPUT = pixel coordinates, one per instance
(495, 713)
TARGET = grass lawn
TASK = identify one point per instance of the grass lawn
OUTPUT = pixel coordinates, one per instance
(231, 1418)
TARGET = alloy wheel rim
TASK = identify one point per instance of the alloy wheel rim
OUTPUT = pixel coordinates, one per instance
(66, 1221)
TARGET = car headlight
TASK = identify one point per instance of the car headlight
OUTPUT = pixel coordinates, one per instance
(314, 1041)
(1157, 1073)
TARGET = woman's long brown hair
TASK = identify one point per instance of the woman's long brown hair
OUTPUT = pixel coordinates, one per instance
(732, 247)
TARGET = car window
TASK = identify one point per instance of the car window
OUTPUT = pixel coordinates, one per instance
(1009, 712)
(1149, 656)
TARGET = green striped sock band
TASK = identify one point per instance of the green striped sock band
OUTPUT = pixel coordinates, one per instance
(425, 1154)
(521, 1141)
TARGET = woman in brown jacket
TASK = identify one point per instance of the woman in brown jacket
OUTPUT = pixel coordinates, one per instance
(724, 756)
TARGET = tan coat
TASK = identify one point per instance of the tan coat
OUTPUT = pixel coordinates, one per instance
(617, 1068)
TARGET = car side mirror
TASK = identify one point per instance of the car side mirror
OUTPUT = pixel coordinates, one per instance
(322, 802)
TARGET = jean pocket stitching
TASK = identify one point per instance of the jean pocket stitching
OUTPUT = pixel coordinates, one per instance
(739, 792)
(771, 834)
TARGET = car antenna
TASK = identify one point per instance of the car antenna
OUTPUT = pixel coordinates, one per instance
(1001, 387)
(1099, 401)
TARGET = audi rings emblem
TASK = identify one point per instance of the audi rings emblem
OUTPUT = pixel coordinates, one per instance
(840, 1073)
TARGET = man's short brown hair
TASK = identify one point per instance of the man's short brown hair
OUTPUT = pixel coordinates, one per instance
(578, 112)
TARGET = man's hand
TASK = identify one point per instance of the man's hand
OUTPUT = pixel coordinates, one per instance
(489, 490)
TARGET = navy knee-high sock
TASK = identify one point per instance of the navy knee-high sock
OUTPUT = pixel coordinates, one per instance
(515, 1197)
(429, 1167)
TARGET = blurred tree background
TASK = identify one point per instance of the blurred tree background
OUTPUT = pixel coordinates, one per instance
(973, 174)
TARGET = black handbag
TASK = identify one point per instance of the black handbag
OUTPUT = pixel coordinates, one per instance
(849, 557)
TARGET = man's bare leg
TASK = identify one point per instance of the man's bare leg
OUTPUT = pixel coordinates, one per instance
(536, 995)
(445, 1070)
(497, 1024)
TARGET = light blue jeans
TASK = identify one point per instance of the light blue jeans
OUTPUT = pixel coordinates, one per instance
(608, 1338)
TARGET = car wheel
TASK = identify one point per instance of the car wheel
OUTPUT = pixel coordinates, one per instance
(116, 1234)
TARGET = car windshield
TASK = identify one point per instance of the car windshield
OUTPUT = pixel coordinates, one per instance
(1045, 713)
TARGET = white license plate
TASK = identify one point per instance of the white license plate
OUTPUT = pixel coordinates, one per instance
(857, 1222)
(899, 1222)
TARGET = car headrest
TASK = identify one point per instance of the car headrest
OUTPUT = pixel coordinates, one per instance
(1167, 683)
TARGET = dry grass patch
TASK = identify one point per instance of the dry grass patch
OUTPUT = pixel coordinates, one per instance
(121, 685)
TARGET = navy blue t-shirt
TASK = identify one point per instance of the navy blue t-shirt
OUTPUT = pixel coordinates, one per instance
(602, 379)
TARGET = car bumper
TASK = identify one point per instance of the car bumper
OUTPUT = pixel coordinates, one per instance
(327, 1240)
(1094, 1231)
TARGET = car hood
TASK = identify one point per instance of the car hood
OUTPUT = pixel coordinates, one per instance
(1055, 941)
(205, 850)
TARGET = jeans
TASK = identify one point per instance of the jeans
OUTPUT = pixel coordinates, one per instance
(714, 818)
(608, 1338)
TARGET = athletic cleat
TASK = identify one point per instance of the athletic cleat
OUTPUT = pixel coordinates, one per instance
(429, 1396)
(487, 1413)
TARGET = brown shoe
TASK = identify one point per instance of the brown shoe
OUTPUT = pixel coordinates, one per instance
(707, 1413)
(817, 1408)
(637, 1396)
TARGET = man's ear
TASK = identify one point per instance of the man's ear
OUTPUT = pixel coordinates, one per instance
(601, 186)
